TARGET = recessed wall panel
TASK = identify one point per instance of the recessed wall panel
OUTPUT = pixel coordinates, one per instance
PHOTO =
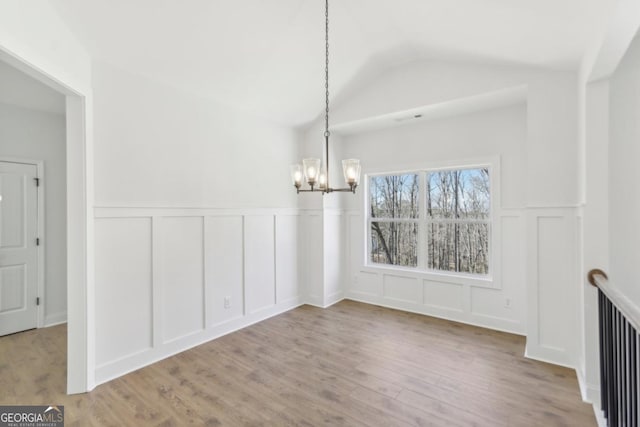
(224, 268)
(367, 283)
(123, 287)
(286, 257)
(259, 253)
(406, 289)
(554, 266)
(334, 254)
(311, 242)
(182, 277)
(446, 296)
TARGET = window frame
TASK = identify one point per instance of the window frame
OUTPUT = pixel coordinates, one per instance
(491, 279)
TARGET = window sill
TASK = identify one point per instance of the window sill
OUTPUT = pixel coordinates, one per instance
(440, 277)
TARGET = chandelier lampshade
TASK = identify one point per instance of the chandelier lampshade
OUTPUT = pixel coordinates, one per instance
(311, 170)
(351, 171)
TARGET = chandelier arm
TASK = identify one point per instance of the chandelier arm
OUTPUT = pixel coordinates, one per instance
(329, 190)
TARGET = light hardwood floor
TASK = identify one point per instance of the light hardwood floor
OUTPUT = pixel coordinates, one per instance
(350, 364)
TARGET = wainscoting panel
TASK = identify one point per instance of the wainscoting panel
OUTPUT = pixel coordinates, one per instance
(443, 296)
(123, 287)
(287, 269)
(552, 259)
(335, 257)
(182, 277)
(401, 288)
(311, 244)
(553, 294)
(224, 268)
(495, 303)
(259, 267)
(162, 275)
(367, 283)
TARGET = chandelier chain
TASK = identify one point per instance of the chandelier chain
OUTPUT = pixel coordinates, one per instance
(326, 69)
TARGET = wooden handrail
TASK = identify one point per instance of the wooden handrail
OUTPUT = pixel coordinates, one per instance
(591, 276)
(600, 280)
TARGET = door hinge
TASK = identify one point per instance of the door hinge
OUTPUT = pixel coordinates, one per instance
(37, 241)
(37, 180)
(38, 301)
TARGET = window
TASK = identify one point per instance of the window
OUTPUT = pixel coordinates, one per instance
(431, 220)
(394, 219)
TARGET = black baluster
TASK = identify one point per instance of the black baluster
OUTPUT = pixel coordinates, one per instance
(609, 367)
(633, 383)
(624, 397)
(620, 368)
(615, 410)
(601, 336)
(636, 401)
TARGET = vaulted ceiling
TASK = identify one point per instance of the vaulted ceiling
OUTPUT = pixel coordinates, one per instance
(267, 56)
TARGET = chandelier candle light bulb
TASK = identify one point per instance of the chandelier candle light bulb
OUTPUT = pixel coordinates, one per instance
(322, 179)
(311, 168)
(296, 175)
(351, 171)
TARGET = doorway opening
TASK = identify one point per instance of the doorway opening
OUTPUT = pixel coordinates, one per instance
(61, 237)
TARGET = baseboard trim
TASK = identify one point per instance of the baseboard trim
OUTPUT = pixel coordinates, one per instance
(333, 299)
(451, 315)
(591, 395)
(326, 302)
(582, 382)
(600, 419)
(55, 319)
(541, 358)
(117, 368)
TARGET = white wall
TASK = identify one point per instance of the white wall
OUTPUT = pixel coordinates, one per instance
(194, 204)
(624, 194)
(38, 135)
(498, 134)
(157, 146)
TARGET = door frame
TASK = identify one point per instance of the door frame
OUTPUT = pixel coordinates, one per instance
(39, 164)
(80, 221)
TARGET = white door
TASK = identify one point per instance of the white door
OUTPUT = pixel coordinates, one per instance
(18, 251)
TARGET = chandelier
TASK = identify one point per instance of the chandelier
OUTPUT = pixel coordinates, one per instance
(311, 170)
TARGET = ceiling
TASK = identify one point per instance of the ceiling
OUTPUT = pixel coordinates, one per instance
(268, 56)
(19, 89)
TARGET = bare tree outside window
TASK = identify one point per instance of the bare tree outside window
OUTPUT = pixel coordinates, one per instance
(456, 216)
(394, 219)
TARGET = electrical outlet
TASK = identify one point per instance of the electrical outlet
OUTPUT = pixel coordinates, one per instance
(227, 302)
(507, 303)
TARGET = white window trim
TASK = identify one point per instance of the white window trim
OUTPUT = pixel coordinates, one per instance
(491, 280)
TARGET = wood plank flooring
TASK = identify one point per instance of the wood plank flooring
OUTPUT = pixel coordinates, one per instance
(351, 364)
